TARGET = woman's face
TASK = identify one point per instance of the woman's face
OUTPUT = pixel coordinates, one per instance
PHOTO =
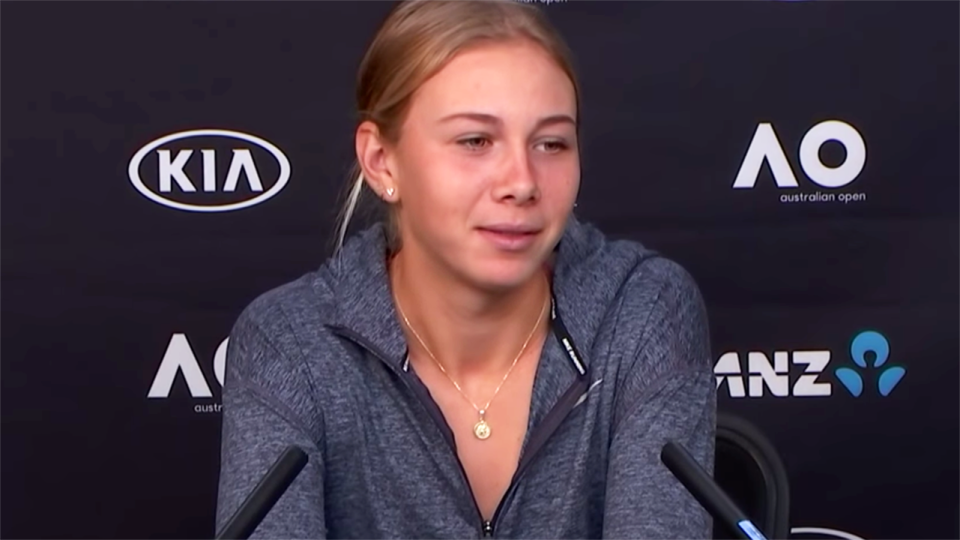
(487, 166)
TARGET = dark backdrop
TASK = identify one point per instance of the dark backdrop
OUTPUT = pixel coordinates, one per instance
(107, 293)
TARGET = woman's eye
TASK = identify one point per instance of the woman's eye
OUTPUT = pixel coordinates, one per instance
(553, 147)
(473, 143)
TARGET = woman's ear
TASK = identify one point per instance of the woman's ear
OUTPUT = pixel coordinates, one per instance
(372, 157)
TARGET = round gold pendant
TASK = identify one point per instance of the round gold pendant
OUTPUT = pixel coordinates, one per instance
(481, 429)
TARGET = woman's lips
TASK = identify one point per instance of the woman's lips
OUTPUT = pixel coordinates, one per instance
(510, 238)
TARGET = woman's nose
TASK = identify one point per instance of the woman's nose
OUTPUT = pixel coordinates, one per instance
(518, 182)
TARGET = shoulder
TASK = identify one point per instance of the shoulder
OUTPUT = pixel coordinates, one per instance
(660, 311)
(591, 264)
(273, 335)
(636, 299)
(662, 342)
(661, 290)
(602, 278)
(662, 322)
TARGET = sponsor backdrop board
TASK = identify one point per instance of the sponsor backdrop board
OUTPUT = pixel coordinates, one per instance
(165, 163)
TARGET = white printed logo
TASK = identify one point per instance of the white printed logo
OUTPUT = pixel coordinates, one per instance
(215, 196)
(766, 146)
(180, 359)
(822, 532)
(763, 377)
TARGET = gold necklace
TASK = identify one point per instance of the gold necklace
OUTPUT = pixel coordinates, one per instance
(481, 429)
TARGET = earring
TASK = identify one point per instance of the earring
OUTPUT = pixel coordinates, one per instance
(390, 192)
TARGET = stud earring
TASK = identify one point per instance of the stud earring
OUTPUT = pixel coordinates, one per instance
(390, 192)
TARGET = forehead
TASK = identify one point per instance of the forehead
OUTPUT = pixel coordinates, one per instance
(510, 80)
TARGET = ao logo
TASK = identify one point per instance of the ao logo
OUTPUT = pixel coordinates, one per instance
(216, 196)
(765, 145)
(179, 358)
(822, 532)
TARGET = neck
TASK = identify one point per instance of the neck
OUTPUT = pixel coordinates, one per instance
(471, 332)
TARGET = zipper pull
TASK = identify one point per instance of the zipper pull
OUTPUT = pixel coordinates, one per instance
(487, 529)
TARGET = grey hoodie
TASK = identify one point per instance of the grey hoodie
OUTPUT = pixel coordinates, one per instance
(321, 363)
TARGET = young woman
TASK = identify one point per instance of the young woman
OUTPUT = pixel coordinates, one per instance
(481, 363)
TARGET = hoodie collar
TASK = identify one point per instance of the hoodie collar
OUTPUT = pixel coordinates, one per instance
(357, 279)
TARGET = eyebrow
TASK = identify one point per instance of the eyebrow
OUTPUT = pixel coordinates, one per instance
(490, 119)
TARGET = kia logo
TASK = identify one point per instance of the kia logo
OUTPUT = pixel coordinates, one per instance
(820, 532)
(183, 170)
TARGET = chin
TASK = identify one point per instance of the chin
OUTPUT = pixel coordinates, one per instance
(496, 270)
(502, 276)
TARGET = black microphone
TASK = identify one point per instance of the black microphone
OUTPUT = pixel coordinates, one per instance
(266, 494)
(707, 492)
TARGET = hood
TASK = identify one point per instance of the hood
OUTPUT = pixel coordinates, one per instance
(588, 273)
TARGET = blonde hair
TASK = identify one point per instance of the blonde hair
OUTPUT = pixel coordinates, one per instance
(417, 39)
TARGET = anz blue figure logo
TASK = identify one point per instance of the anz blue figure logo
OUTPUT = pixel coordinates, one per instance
(863, 343)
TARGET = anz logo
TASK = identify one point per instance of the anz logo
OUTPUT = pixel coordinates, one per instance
(864, 345)
(185, 170)
(805, 373)
(764, 377)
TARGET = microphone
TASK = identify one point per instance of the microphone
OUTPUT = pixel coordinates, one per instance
(707, 492)
(266, 494)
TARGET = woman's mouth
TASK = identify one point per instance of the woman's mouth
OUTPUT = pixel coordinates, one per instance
(510, 238)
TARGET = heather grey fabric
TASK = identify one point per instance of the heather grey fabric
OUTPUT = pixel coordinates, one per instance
(320, 363)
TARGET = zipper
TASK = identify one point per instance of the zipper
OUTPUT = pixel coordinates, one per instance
(551, 422)
(537, 440)
(434, 411)
(486, 527)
